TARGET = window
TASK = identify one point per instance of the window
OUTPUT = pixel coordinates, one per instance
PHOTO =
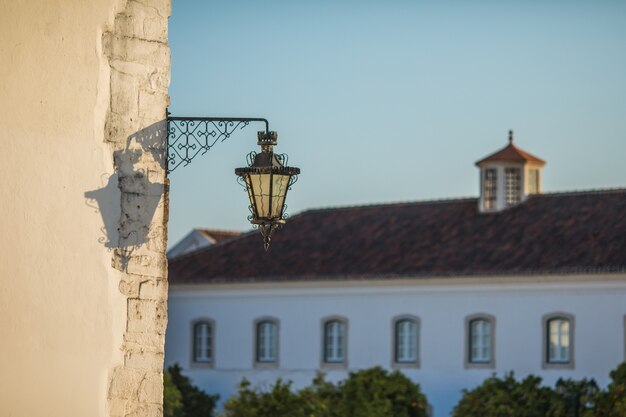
(203, 341)
(480, 341)
(558, 340)
(533, 181)
(266, 341)
(334, 341)
(405, 341)
(490, 188)
(512, 189)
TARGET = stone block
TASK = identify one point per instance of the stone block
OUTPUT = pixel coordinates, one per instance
(151, 388)
(129, 288)
(144, 410)
(124, 93)
(153, 290)
(159, 79)
(118, 127)
(148, 265)
(117, 407)
(146, 316)
(141, 358)
(151, 104)
(131, 68)
(155, 28)
(125, 383)
(154, 341)
(163, 7)
(123, 48)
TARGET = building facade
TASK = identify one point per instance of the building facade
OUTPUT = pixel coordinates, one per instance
(83, 277)
(448, 292)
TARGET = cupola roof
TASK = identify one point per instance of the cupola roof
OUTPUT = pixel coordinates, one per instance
(512, 153)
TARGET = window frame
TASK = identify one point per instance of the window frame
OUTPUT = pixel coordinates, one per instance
(508, 185)
(490, 199)
(491, 363)
(255, 352)
(323, 361)
(545, 347)
(394, 341)
(193, 363)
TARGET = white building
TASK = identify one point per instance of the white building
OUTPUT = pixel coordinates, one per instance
(198, 239)
(447, 291)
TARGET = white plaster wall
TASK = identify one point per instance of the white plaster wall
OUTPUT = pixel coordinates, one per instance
(61, 314)
(598, 307)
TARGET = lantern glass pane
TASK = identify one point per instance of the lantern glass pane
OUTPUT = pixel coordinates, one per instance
(259, 191)
(279, 190)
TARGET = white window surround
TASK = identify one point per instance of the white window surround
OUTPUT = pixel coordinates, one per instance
(334, 332)
(405, 351)
(564, 336)
(534, 181)
(202, 344)
(487, 360)
(266, 342)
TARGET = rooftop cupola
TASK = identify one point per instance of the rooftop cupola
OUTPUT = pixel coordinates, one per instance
(508, 177)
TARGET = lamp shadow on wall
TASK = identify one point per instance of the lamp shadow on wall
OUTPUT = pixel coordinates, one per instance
(130, 197)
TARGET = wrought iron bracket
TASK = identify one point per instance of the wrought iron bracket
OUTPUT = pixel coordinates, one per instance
(188, 137)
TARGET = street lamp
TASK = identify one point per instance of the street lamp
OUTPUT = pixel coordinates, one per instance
(266, 178)
(267, 181)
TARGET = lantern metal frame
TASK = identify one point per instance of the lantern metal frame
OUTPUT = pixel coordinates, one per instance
(188, 137)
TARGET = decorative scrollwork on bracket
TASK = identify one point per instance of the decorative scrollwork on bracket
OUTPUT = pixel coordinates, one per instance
(188, 137)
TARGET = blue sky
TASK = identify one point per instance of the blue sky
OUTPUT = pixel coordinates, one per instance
(396, 100)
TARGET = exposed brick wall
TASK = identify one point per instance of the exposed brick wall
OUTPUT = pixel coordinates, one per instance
(139, 60)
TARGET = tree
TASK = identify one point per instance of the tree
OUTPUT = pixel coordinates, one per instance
(195, 402)
(506, 397)
(280, 401)
(612, 402)
(375, 392)
(172, 398)
(369, 393)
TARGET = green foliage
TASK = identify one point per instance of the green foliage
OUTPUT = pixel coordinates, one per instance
(172, 398)
(612, 402)
(506, 397)
(377, 393)
(195, 402)
(369, 393)
(578, 397)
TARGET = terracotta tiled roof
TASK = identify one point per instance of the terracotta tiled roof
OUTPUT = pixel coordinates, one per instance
(513, 154)
(216, 236)
(549, 233)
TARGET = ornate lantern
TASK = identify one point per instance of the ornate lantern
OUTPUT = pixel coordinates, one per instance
(267, 180)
